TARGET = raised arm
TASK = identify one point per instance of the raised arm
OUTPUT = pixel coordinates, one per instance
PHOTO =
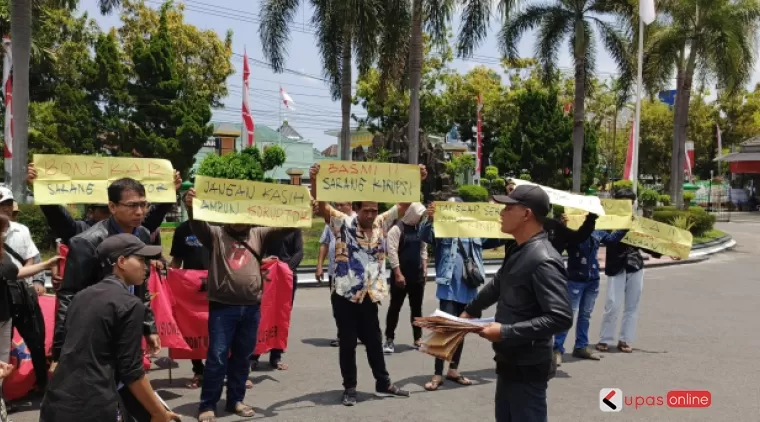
(323, 208)
(157, 212)
(202, 230)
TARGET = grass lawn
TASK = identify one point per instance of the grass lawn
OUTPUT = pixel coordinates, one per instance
(311, 243)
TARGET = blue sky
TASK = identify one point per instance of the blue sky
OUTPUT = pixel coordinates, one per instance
(315, 111)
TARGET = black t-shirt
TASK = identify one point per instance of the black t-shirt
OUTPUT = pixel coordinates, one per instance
(187, 247)
(8, 273)
(104, 330)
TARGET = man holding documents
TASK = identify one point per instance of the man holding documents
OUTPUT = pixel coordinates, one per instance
(530, 291)
(359, 286)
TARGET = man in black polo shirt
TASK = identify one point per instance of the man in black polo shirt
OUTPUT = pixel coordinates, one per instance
(188, 253)
(532, 305)
(103, 346)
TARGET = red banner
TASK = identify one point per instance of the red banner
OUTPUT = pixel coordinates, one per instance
(160, 300)
(190, 310)
(21, 381)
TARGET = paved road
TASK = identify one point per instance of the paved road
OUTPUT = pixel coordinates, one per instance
(697, 331)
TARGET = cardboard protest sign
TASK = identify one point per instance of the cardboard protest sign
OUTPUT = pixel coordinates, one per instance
(247, 202)
(377, 182)
(80, 179)
(617, 216)
(476, 219)
(569, 199)
(659, 237)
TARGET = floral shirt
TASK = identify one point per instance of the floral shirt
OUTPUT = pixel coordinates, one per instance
(360, 256)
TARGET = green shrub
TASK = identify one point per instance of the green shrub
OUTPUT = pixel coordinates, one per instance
(688, 197)
(526, 177)
(648, 197)
(485, 183)
(557, 210)
(492, 172)
(32, 217)
(622, 184)
(498, 186)
(665, 199)
(701, 221)
(473, 193)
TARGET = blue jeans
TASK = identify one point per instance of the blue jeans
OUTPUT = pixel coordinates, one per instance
(232, 339)
(582, 298)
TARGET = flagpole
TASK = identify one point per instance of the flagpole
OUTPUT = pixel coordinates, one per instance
(279, 130)
(637, 121)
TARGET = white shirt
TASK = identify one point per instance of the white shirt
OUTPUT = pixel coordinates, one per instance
(20, 240)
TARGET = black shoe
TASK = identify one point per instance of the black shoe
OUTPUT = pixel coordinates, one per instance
(391, 391)
(335, 343)
(349, 397)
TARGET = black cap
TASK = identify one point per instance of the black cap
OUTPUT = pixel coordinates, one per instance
(125, 245)
(529, 196)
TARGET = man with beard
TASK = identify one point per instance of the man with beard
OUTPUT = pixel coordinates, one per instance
(235, 287)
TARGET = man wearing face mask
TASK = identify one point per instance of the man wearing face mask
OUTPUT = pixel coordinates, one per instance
(235, 287)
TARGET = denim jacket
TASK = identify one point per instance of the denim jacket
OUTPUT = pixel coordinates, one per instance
(447, 248)
(582, 262)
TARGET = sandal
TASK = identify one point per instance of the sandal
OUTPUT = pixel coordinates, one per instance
(279, 365)
(602, 347)
(207, 418)
(194, 383)
(434, 383)
(242, 410)
(624, 347)
(461, 379)
(248, 384)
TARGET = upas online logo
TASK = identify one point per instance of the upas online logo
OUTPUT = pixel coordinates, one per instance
(613, 400)
(610, 400)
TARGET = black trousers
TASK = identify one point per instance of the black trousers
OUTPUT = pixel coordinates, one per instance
(359, 321)
(31, 327)
(416, 292)
(520, 401)
(456, 309)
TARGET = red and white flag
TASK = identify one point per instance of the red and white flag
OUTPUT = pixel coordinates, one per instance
(248, 124)
(479, 150)
(289, 103)
(8, 98)
(689, 162)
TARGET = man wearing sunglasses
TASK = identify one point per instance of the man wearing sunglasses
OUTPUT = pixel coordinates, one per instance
(532, 305)
(127, 203)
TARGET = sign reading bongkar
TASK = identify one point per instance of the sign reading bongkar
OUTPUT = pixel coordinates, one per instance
(246, 202)
(377, 182)
(75, 179)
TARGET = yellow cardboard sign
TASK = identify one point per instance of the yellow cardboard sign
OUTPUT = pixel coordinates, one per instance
(477, 219)
(246, 202)
(617, 216)
(361, 181)
(659, 237)
(82, 179)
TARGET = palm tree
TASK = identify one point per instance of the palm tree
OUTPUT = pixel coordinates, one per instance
(714, 39)
(433, 16)
(344, 30)
(21, 48)
(576, 21)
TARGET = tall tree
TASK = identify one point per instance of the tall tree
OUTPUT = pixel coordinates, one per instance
(108, 87)
(575, 21)
(169, 120)
(715, 39)
(346, 31)
(21, 33)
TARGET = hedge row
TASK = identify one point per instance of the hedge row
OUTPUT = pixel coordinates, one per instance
(703, 221)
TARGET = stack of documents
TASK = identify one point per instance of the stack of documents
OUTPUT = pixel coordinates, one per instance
(448, 333)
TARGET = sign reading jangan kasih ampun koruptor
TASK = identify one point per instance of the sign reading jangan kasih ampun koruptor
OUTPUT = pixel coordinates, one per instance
(377, 182)
(246, 202)
(476, 219)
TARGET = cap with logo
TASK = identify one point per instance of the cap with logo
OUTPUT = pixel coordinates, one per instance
(6, 195)
(125, 245)
(529, 196)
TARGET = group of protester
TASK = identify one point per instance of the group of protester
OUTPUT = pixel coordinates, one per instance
(104, 305)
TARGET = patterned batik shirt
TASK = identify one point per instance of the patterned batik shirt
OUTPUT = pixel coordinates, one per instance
(360, 256)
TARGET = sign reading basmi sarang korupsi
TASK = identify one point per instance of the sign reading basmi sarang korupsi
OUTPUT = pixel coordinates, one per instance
(246, 202)
(360, 181)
